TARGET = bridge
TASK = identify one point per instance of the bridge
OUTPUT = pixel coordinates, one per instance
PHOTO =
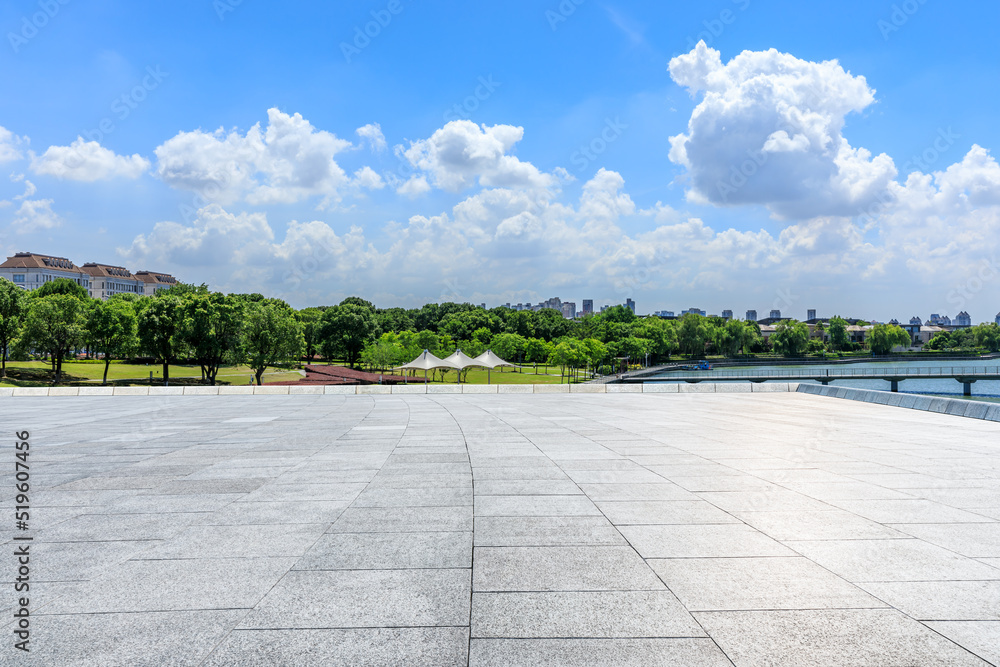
(894, 375)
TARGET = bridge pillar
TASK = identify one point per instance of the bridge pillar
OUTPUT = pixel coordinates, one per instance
(895, 386)
(825, 382)
(966, 385)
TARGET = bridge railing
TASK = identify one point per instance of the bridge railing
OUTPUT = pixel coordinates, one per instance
(844, 373)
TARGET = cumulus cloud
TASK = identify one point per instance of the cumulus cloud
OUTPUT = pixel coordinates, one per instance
(372, 133)
(414, 187)
(34, 215)
(768, 130)
(87, 161)
(288, 162)
(368, 179)
(462, 153)
(10, 145)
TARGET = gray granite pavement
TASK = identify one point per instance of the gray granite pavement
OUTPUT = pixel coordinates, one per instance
(601, 530)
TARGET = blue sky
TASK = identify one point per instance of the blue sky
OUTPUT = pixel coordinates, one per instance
(469, 182)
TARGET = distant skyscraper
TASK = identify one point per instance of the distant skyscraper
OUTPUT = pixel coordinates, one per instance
(810, 314)
(775, 315)
(588, 306)
(963, 319)
(917, 322)
(727, 314)
(751, 316)
(630, 304)
(998, 318)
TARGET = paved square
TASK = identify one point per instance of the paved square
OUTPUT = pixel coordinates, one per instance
(615, 529)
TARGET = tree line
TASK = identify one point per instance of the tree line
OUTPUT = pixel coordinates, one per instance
(212, 330)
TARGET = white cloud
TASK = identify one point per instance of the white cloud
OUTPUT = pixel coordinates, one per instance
(288, 162)
(10, 145)
(372, 133)
(768, 130)
(462, 153)
(87, 161)
(413, 188)
(34, 215)
(368, 179)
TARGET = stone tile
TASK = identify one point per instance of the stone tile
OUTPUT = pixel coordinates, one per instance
(117, 527)
(81, 561)
(177, 585)
(736, 584)
(892, 560)
(240, 541)
(265, 513)
(537, 487)
(403, 520)
(702, 541)
(663, 512)
(596, 652)
(298, 492)
(106, 640)
(389, 551)
(833, 524)
(772, 500)
(426, 497)
(979, 637)
(535, 506)
(907, 511)
(977, 540)
(561, 569)
(942, 600)
(581, 614)
(831, 638)
(419, 647)
(662, 491)
(365, 599)
(503, 531)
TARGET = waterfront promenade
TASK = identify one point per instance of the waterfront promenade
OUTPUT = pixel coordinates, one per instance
(611, 529)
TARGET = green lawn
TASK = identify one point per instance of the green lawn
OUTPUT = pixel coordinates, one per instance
(38, 373)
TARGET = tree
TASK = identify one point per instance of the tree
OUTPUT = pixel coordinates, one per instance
(13, 301)
(520, 322)
(210, 327)
(311, 319)
(113, 330)
(158, 327)
(508, 346)
(692, 334)
(550, 324)
(358, 301)
(55, 324)
(345, 330)
(790, 338)
(271, 334)
(987, 335)
(536, 350)
(734, 336)
(569, 353)
(384, 353)
(61, 286)
(838, 333)
(882, 338)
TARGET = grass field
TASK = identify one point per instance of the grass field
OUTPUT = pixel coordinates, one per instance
(39, 373)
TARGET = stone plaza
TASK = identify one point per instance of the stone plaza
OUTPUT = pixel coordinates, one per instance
(600, 530)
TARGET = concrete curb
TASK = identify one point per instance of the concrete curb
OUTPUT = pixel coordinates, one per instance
(411, 389)
(949, 406)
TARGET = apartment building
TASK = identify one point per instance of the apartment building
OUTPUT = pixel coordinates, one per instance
(32, 270)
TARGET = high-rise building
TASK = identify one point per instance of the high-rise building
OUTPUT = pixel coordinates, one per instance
(569, 310)
(630, 304)
(775, 315)
(751, 316)
(811, 314)
(998, 318)
(588, 306)
(727, 314)
(694, 311)
(963, 319)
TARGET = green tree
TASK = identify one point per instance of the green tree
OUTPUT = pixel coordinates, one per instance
(113, 330)
(13, 302)
(55, 324)
(838, 333)
(311, 319)
(346, 330)
(569, 353)
(158, 330)
(61, 286)
(210, 327)
(358, 301)
(692, 334)
(384, 353)
(537, 351)
(509, 346)
(521, 322)
(790, 338)
(882, 338)
(271, 334)
(987, 335)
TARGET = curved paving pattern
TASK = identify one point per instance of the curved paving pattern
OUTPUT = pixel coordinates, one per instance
(630, 529)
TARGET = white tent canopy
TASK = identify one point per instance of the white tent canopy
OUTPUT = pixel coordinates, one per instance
(489, 360)
(459, 359)
(427, 362)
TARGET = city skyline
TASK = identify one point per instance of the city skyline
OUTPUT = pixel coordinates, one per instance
(345, 150)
